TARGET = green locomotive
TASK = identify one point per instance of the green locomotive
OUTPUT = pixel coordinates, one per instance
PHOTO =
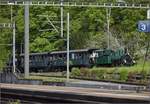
(108, 57)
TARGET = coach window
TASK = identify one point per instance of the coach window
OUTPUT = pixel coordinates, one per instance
(84, 55)
(80, 55)
(72, 56)
(63, 56)
(60, 56)
(38, 58)
(50, 58)
(77, 55)
(53, 56)
(22, 60)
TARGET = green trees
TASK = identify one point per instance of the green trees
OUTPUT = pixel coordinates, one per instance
(88, 27)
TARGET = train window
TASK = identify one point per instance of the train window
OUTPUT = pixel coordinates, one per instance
(30, 60)
(65, 56)
(53, 57)
(73, 56)
(80, 55)
(41, 58)
(50, 58)
(35, 58)
(22, 60)
(32, 57)
(60, 56)
(96, 54)
(83, 55)
(38, 58)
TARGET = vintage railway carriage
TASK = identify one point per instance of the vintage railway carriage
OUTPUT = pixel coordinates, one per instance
(57, 60)
(81, 58)
(37, 61)
(78, 58)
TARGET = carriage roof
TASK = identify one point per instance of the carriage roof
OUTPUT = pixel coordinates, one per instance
(61, 52)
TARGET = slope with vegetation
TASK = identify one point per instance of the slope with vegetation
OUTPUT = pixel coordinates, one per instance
(88, 28)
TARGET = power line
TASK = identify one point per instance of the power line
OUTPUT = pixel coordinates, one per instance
(77, 4)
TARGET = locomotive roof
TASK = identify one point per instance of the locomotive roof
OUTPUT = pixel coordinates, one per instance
(61, 52)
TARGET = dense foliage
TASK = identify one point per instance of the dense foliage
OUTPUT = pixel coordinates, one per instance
(117, 73)
(88, 28)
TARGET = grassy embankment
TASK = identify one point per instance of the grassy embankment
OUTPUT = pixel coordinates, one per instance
(121, 74)
(47, 78)
(4, 54)
(5, 38)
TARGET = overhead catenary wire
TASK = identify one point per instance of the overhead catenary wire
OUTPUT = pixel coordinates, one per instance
(77, 4)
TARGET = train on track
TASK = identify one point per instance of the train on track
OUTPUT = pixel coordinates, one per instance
(57, 60)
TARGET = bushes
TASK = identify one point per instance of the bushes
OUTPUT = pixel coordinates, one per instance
(88, 73)
(80, 73)
(85, 73)
(98, 74)
(75, 72)
(111, 74)
(123, 75)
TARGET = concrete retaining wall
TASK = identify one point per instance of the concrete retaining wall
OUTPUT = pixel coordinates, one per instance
(8, 77)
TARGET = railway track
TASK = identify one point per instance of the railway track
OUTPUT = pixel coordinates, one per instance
(48, 94)
(79, 82)
(6, 100)
(30, 99)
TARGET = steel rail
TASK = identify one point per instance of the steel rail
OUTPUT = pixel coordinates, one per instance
(68, 97)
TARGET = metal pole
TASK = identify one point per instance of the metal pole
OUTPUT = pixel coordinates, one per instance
(26, 40)
(14, 58)
(61, 9)
(67, 46)
(11, 18)
(14, 40)
(148, 14)
(108, 11)
(145, 27)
